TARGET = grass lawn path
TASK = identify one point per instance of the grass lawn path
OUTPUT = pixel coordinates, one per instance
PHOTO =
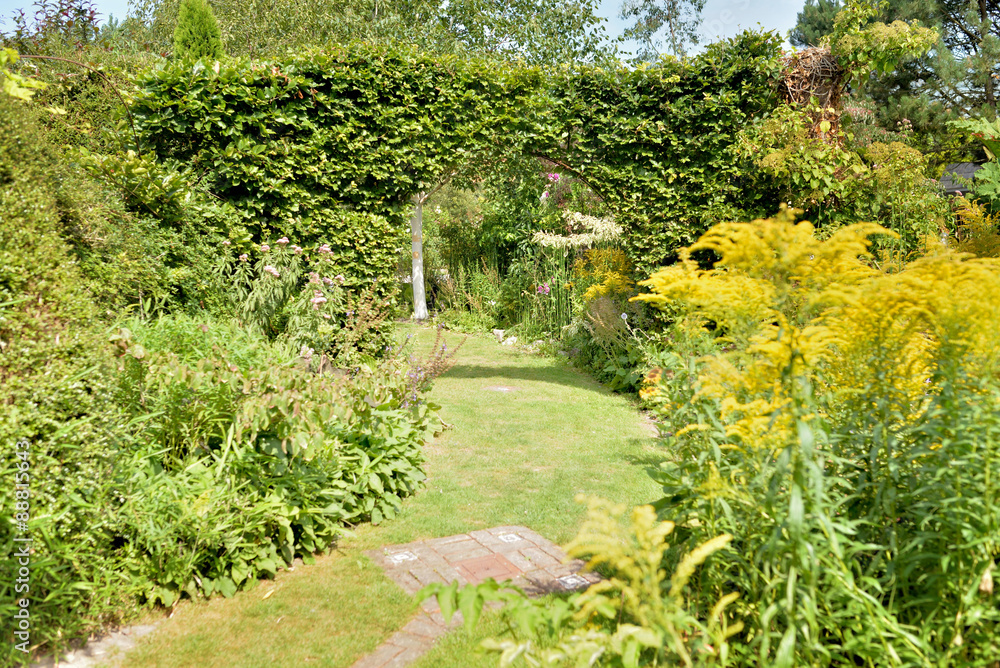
(513, 457)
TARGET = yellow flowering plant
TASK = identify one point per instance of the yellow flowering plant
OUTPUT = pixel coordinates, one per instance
(844, 428)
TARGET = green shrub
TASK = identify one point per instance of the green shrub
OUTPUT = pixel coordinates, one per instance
(197, 34)
(201, 458)
(838, 181)
(331, 299)
(282, 140)
(294, 454)
(292, 143)
(56, 380)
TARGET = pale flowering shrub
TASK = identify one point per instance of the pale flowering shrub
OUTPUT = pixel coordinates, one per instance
(584, 232)
(293, 294)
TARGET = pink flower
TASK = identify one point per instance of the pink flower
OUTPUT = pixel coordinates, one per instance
(265, 248)
(225, 242)
(296, 249)
(271, 270)
(317, 300)
(543, 289)
(283, 240)
(328, 281)
(554, 178)
(545, 196)
(339, 278)
(243, 257)
(313, 278)
(325, 248)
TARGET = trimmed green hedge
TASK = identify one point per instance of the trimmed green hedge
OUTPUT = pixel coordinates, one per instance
(366, 127)
(360, 128)
(658, 143)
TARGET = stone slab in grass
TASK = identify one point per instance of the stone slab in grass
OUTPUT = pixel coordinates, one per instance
(514, 553)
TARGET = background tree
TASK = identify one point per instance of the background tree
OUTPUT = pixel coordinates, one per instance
(960, 72)
(679, 18)
(955, 79)
(968, 70)
(197, 34)
(541, 32)
(815, 22)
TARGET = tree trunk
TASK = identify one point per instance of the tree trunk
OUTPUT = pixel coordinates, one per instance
(417, 275)
(984, 32)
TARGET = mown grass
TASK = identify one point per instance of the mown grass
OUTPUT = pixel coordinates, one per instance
(512, 457)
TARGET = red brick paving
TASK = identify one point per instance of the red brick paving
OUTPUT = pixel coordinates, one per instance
(512, 553)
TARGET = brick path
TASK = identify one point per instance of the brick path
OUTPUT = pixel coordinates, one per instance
(514, 553)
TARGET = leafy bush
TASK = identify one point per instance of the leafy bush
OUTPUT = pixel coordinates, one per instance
(208, 458)
(282, 140)
(831, 432)
(292, 143)
(57, 386)
(297, 295)
(837, 181)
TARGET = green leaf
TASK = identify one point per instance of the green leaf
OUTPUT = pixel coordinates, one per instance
(226, 586)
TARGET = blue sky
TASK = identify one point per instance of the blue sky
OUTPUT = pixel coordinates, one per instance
(721, 18)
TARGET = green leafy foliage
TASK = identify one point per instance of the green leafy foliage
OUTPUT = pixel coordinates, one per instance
(839, 180)
(550, 32)
(201, 459)
(188, 455)
(862, 47)
(657, 143)
(289, 143)
(292, 454)
(281, 141)
(56, 388)
(12, 83)
(197, 35)
(333, 300)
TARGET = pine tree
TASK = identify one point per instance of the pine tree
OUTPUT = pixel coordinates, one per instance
(197, 34)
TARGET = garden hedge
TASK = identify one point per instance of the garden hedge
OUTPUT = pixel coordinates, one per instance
(366, 127)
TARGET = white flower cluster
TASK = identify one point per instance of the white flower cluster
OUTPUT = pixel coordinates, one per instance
(594, 230)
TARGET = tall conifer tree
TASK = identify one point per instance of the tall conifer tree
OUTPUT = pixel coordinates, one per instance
(197, 34)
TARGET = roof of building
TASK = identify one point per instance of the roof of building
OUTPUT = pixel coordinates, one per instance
(957, 177)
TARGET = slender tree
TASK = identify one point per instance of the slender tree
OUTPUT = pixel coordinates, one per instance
(197, 34)
(677, 20)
